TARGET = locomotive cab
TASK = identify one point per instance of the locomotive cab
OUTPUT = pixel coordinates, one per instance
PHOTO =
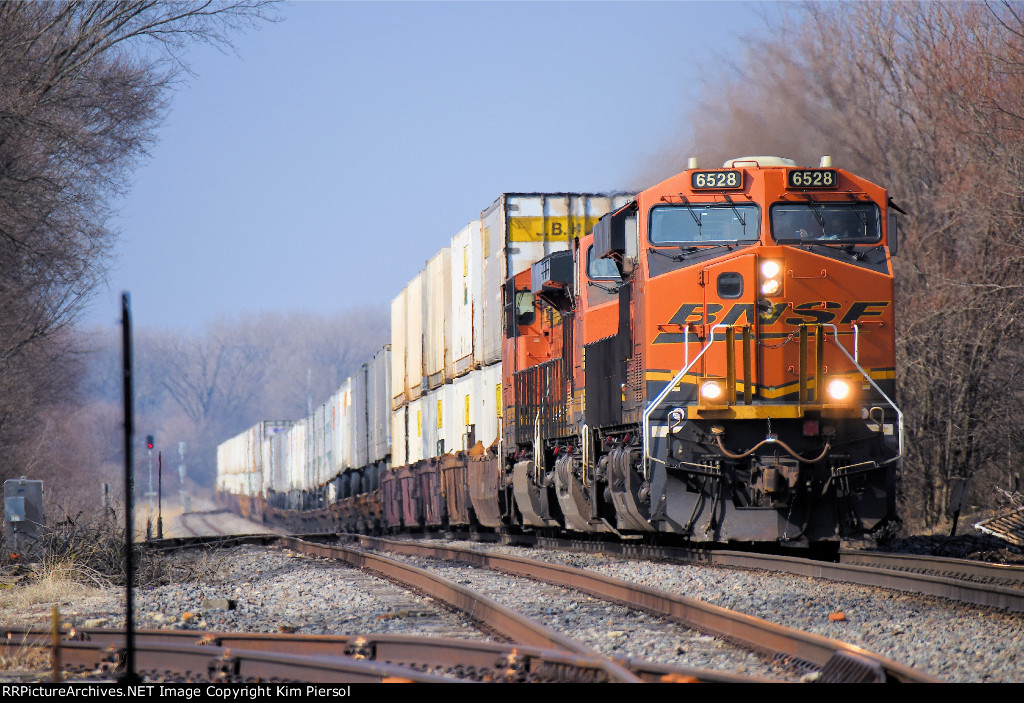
(759, 368)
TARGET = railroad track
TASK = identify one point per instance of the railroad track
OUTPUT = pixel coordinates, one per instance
(962, 580)
(831, 657)
(199, 524)
(187, 655)
(1008, 575)
(536, 653)
(506, 622)
(162, 655)
(836, 661)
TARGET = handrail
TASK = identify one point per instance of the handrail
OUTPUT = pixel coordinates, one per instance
(899, 413)
(649, 410)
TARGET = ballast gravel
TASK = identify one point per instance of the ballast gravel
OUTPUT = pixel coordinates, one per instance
(953, 641)
(265, 589)
(608, 628)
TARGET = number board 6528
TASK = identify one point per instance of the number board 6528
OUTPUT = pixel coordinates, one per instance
(813, 178)
(716, 180)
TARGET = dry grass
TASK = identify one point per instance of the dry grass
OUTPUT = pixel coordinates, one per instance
(30, 602)
(79, 567)
(24, 658)
(56, 584)
(91, 550)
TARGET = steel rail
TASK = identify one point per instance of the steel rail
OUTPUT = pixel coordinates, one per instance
(865, 569)
(504, 620)
(166, 658)
(970, 592)
(758, 634)
(476, 660)
(941, 566)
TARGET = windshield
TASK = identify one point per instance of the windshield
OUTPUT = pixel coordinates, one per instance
(825, 222)
(704, 223)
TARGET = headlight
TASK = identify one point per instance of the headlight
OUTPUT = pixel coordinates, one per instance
(771, 278)
(711, 390)
(838, 388)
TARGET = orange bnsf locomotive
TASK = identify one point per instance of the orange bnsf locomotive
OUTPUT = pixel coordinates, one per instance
(718, 362)
(712, 358)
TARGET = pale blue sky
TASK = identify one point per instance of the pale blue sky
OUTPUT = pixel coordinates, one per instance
(321, 164)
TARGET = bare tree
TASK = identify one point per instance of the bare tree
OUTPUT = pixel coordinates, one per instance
(202, 388)
(82, 87)
(928, 100)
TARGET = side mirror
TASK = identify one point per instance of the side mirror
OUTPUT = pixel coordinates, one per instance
(894, 240)
(525, 313)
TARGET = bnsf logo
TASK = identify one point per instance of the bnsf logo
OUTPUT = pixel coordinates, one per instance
(812, 313)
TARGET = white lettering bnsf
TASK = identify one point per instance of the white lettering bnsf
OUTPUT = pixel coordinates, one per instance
(819, 312)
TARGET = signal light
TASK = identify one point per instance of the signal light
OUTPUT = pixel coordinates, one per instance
(771, 278)
(838, 388)
(711, 390)
(149, 441)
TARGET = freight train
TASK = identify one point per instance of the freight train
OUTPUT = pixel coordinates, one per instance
(711, 358)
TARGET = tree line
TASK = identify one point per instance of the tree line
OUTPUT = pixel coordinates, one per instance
(83, 87)
(199, 388)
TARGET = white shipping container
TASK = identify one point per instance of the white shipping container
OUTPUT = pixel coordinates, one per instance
(437, 314)
(230, 464)
(467, 301)
(344, 416)
(415, 420)
(317, 448)
(399, 437)
(276, 468)
(359, 412)
(414, 338)
(438, 420)
(488, 424)
(398, 352)
(520, 229)
(473, 404)
(329, 466)
(464, 400)
(241, 461)
(337, 439)
(378, 380)
(450, 421)
(428, 429)
(297, 456)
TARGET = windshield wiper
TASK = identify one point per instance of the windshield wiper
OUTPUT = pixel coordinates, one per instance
(690, 210)
(859, 255)
(694, 250)
(674, 257)
(690, 251)
(743, 221)
(813, 207)
(613, 289)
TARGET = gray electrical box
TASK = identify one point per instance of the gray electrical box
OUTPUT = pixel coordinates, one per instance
(23, 513)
